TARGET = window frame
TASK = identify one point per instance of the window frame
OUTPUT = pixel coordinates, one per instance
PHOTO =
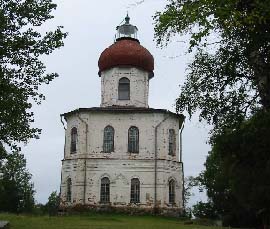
(135, 191)
(133, 149)
(73, 140)
(105, 190)
(172, 191)
(172, 142)
(105, 141)
(120, 90)
(69, 190)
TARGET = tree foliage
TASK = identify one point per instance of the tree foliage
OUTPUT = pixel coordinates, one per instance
(203, 210)
(21, 70)
(237, 171)
(53, 203)
(189, 183)
(228, 82)
(16, 188)
(229, 77)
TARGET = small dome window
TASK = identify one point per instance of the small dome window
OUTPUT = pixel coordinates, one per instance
(124, 89)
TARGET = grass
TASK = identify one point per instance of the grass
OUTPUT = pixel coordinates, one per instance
(95, 221)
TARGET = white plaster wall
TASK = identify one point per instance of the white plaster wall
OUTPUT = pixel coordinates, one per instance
(121, 166)
(90, 144)
(120, 173)
(139, 87)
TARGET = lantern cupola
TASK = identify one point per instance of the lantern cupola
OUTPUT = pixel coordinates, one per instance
(126, 30)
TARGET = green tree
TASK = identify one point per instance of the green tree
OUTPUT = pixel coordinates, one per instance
(229, 77)
(237, 172)
(187, 193)
(53, 203)
(16, 188)
(204, 210)
(21, 70)
(228, 82)
(189, 183)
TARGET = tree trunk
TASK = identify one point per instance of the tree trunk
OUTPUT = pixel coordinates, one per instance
(261, 67)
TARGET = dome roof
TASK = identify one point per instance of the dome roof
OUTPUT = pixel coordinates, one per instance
(126, 52)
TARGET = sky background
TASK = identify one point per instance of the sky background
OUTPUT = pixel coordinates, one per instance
(91, 27)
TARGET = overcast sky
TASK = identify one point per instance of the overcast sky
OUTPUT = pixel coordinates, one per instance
(91, 27)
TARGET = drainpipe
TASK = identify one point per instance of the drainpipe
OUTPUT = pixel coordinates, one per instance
(86, 143)
(155, 179)
(84, 182)
(60, 194)
(183, 187)
(61, 118)
(182, 165)
(181, 149)
(65, 128)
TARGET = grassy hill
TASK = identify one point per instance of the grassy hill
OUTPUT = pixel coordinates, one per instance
(95, 221)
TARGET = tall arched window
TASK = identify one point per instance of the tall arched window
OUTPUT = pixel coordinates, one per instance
(105, 190)
(124, 89)
(74, 136)
(172, 191)
(135, 191)
(69, 184)
(171, 142)
(133, 140)
(108, 139)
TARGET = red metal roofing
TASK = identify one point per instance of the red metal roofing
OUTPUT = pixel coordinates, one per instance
(126, 52)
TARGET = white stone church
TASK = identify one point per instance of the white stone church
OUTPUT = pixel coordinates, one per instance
(123, 154)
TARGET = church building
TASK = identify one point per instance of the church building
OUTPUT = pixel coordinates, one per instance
(123, 154)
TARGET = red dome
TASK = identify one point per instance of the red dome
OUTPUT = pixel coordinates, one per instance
(126, 52)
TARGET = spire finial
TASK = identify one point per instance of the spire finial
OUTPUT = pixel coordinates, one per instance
(127, 18)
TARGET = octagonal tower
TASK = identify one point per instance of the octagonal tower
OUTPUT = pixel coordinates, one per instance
(125, 69)
(123, 154)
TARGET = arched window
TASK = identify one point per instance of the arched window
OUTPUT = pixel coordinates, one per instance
(74, 136)
(105, 190)
(171, 142)
(171, 191)
(108, 139)
(133, 140)
(69, 184)
(135, 191)
(124, 89)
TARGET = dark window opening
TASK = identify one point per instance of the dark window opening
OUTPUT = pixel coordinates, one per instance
(105, 190)
(171, 142)
(69, 184)
(172, 192)
(133, 140)
(135, 191)
(108, 139)
(74, 136)
(124, 89)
